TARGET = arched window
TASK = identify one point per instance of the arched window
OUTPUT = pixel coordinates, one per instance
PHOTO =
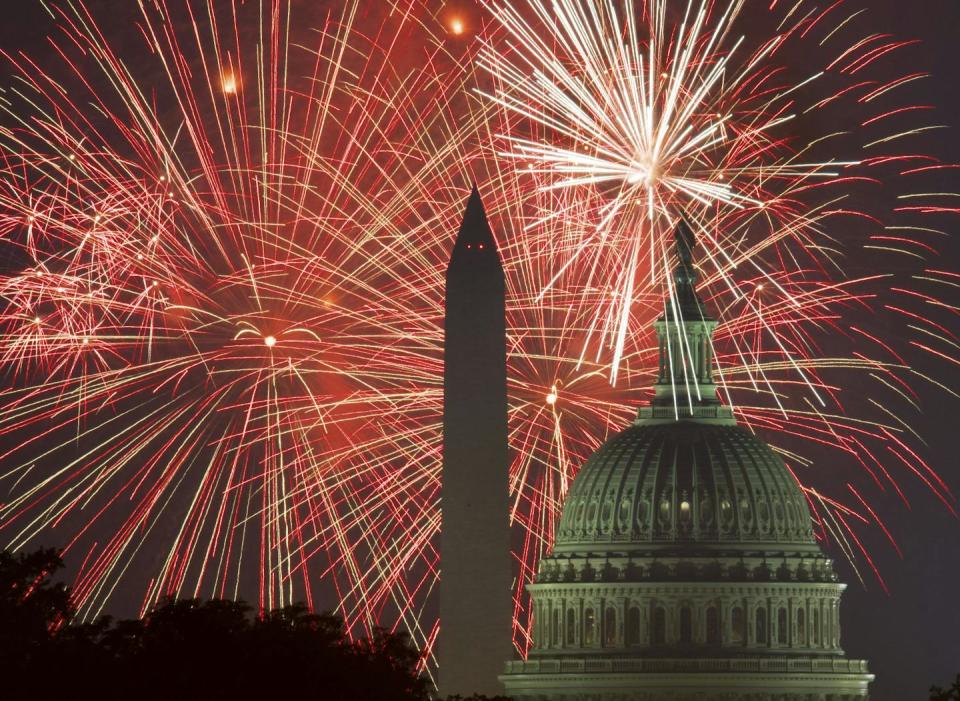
(610, 626)
(665, 512)
(761, 636)
(713, 626)
(816, 628)
(801, 627)
(626, 508)
(633, 626)
(738, 626)
(686, 625)
(571, 627)
(659, 626)
(726, 512)
(589, 627)
(557, 621)
(782, 626)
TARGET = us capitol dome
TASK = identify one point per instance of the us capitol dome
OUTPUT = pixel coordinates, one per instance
(684, 565)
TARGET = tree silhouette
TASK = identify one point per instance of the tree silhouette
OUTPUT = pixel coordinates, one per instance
(952, 694)
(31, 605)
(188, 649)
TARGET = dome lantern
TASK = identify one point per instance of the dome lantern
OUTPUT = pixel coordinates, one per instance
(685, 386)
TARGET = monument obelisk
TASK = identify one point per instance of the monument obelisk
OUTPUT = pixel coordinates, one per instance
(475, 568)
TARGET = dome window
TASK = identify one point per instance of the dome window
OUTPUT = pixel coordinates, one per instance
(633, 626)
(625, 508)
(782, 629)
(706, 512)
(643, 513)
(665, 511)
(685, 511)
(659, 626)
(686, 625)
(778, 512)
(761, 636)
(589, 627)
(738, 626)
(713, 626)
(726, 512)
(764, 509)
(610, 627)
(571, 627)
(607, 515)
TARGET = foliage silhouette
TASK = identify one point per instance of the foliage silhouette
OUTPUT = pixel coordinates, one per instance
(188, 649)
(952, 694)
(30, 604)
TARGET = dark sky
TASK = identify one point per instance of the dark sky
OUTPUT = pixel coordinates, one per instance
(911, 635)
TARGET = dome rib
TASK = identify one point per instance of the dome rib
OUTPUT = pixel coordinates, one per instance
(682, 485)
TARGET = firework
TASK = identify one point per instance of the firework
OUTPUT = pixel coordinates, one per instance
(218, 336)
(771, 135)
(222, 328)
(659, 116)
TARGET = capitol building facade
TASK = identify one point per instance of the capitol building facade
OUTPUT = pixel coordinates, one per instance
(685, 566)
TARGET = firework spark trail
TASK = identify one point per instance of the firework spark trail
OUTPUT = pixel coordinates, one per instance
(658, 119)
(644, 119)
(229, 327)
(225, 335)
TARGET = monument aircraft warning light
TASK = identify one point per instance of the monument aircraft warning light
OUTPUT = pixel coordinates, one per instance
(475, 581)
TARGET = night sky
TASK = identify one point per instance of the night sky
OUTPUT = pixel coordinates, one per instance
(911, 636)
